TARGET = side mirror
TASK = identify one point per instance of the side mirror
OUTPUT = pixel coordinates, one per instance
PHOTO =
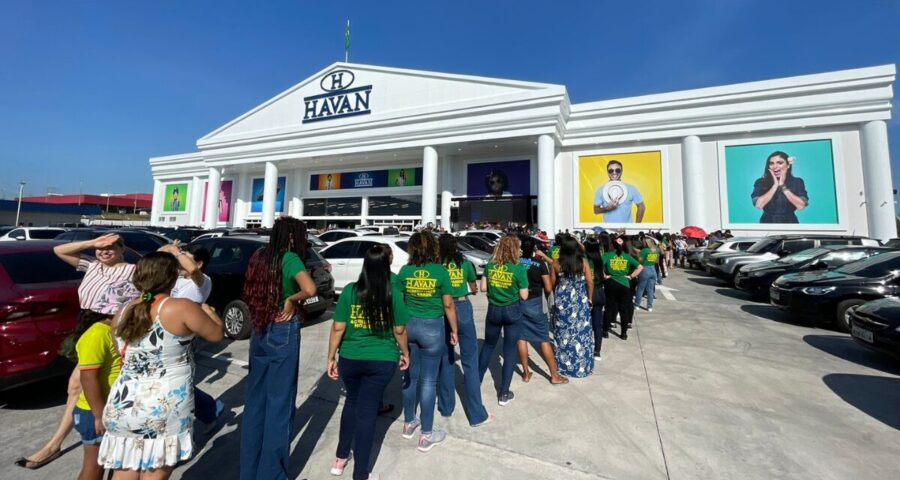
(19, 237)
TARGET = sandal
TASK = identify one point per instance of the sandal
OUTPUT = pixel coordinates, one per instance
(564, 381)
(34, 465)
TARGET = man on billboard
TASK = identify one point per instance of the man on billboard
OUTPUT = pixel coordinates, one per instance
(614, 198)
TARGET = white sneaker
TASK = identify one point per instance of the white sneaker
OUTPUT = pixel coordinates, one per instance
(649, 310)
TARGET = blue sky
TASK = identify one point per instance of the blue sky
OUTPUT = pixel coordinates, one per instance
(91, 90)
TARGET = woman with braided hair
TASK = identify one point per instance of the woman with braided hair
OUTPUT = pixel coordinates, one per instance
(149, 412)
(276, 282)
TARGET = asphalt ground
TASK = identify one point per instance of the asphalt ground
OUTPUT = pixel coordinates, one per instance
(710, 385)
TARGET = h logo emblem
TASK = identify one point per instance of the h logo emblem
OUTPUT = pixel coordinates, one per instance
(337, 80)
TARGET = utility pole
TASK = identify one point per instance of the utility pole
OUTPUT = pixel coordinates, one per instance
(19, 208)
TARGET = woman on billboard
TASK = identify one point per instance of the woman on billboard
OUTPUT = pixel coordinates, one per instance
(778, 193)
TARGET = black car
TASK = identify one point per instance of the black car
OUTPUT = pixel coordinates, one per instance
(183, 235)
(756, 278)
(228, 260)
(876, 325)
(138, 240)
(828, 295)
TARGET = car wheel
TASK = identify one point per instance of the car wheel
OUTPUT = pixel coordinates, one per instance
(237, 320)
(842, 317)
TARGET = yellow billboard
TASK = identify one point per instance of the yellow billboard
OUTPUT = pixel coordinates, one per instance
(620, 188)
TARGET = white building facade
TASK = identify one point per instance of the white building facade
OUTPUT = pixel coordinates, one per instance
(360, 144)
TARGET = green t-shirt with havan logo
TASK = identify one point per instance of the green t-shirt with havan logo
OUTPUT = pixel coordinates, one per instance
(649, 257)
(291, 265)
(361, 343)
(619, 267)
(423, 287)
(460, 276)
(504, 282)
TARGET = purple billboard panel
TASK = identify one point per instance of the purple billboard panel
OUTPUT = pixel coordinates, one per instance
(497, 179)
(224, 201)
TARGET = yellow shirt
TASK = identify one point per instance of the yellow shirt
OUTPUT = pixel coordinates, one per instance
(97, 351)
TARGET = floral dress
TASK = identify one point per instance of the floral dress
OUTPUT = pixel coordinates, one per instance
(572, 331)
(150, 409)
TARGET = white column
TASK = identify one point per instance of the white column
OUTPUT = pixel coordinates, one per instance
(546, 176)
(693, 182)
(156, 207)
(240, 202)
(877, 179)
(364, 210)
(270, 190)
(212, 198)
(446, 200)
(429, 185)
(196, 202)
(297, 198)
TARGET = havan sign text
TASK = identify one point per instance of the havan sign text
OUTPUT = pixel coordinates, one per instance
(340, 100)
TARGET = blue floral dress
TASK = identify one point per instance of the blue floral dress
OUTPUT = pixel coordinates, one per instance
(150, 409)
(572, 331)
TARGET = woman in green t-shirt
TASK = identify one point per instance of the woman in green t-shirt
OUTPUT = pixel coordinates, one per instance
(649, 256)
(276, 283)
(621, 268)
(506, 284)
(428, 296)
(369, 328)
(462, 282)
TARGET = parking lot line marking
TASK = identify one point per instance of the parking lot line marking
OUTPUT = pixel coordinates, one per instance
(667, 292)
(224, 358)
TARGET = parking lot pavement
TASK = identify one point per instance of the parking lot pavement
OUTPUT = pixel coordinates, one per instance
(710, 385)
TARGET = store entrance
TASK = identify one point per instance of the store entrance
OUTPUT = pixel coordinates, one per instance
(508, 211)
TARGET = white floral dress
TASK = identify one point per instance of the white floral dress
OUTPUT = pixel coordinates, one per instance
(150, 409)
(573, 335)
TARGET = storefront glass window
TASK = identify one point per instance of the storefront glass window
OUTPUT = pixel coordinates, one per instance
(387, 206)
(333, 207)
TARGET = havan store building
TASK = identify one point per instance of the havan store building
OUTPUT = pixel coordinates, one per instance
(360, 144)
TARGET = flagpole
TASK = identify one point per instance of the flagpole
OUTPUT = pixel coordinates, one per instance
(347, 43)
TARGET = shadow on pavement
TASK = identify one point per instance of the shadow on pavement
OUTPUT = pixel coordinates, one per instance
(877, 397)
(36, 396)
(708, 281)
(740, 295)
(844, 347)
(775, 314)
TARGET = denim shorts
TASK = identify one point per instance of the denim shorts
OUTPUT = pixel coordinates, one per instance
(84, 425)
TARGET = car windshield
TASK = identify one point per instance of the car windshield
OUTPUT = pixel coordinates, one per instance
(802, 256)
(875, 266)
(37, 234)
(315, 241)
(37, 267)
(714, 245)
(763, 246)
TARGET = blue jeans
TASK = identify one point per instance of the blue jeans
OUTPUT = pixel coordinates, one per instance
(508, 319)
(84, 425)
(468, 353)
(426, 351)
(646, 283)
(366, 381)
(270, 403)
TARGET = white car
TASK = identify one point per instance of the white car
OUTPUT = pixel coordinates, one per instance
(333, 236)
(492, 236)
(31, 233)
(381, 229)
(346, 256)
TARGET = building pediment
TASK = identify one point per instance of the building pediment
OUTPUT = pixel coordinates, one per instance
(354, 97)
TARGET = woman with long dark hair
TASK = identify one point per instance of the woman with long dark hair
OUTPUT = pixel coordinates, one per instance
(462, 283)
(149, 412)
(369, 329)
(621, 269)
(778, 193)
(429, 299)
(535, 326)
(572, 311)
(594, 255)
(276, 282)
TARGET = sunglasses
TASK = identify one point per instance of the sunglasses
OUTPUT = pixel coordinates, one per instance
(615, 170)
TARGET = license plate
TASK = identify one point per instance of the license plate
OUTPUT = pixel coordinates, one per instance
(862, 334)
(310, 300)
(775, 295)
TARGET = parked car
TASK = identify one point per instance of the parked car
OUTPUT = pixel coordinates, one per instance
(478, 258)
(758, 277)
(346, 256)
(31, 233)
(332, 236)
(477, 243)
(229, 257)
(183, 234)
(141, 241)
(893, 243)
(828, 295)
(38, 308)
(876, 325)
(80, 234)
(380, 229)
(726, 265)
(492, 236)
(735, 244)
(315, 242)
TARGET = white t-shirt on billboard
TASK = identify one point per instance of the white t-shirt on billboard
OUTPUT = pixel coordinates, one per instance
(186, 288)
